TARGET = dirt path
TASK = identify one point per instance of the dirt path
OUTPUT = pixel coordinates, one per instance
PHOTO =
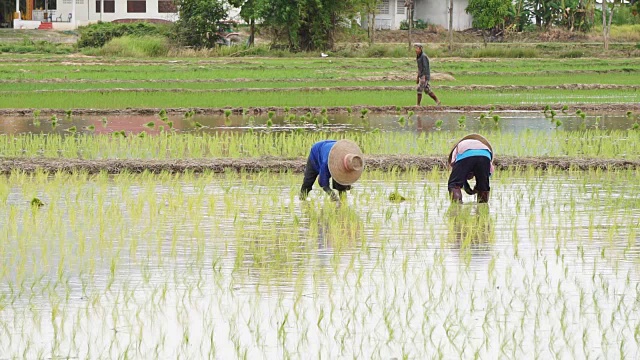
(601, 107)
(384, 163)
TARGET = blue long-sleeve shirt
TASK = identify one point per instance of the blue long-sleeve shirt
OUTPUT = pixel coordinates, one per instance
(319, 157)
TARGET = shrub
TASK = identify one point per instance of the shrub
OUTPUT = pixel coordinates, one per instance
(572, 54)
(97, 35)
(376, 51)
(131, 46)
(505, 53)
(37, 47)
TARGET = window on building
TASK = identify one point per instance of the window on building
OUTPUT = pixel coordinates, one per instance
(69, 2)
(136, 6)
(400, 7)
(383, 7)
(167, 6)
(51, 4)
(109, 6)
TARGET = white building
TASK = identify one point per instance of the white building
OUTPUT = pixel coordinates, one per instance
(91, 11)
(392, 12)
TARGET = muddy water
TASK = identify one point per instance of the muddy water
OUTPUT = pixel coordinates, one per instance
(509, 121)
(227, 268)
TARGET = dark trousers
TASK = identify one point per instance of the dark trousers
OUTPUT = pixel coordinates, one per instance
(478, 166)
(310, 176)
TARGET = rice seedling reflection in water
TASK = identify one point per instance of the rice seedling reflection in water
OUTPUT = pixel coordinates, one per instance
(233, 265)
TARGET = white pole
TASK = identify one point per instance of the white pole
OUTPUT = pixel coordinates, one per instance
(101, 9)
(73, 13)
(18, 9)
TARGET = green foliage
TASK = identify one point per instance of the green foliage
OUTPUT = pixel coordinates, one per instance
(306, 24)
(511, 52)
(418, 24)
(624, 15)
(129, 46)
(489, 14)
(38, 47)
(97, 35)
(572, 54)
(197, 25)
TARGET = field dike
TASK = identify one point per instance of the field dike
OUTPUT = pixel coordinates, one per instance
(355, 110)
(296, 165)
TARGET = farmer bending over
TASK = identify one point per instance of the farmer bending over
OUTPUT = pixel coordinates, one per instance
(471, 157)
(424, 75)
(340, 160)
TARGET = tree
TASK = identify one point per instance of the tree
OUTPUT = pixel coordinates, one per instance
(248, 13)
(197, 25)
(489, 14)
(306, 24)
(606, 26)
(450, 25)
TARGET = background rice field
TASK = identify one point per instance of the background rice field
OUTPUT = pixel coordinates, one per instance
(234, 265)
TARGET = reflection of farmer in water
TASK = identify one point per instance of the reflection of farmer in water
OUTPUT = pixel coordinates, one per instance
(424, 75)
(471, 229)
(471, 157)
(341, 161)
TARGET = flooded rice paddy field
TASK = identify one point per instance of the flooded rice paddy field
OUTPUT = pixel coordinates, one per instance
(512, 121)
(224, 266)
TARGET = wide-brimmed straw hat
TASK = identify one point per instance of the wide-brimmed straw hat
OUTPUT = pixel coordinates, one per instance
(478, 137)
(345, 162)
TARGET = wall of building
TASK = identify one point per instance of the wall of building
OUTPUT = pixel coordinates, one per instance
(392, 12)
(25, 24)
(436, 12)
(86, 11)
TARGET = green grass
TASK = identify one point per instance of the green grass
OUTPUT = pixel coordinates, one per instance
(120, 100)
(136, 47)
(274, 73)
(460, 80)
(279, 69)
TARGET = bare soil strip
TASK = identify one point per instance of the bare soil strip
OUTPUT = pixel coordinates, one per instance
(419, 110)
(337, 88)
(274, 164)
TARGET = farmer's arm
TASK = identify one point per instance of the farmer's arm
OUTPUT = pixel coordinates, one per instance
(427, 69)
(323, 181)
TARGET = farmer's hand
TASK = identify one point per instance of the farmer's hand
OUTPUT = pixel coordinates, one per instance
(332, 194)
(418, 80)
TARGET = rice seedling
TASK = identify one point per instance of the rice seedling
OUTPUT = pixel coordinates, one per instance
(131, 258)
(150, 124)
(462, 122)
(364, 112)
(438, 124)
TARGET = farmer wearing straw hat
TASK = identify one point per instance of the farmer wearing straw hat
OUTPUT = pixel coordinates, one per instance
(471, 157)
(424, 74)
(341, 161)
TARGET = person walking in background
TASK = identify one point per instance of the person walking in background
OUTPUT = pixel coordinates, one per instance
(471, 157)
(424, 75)
(340, 161)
